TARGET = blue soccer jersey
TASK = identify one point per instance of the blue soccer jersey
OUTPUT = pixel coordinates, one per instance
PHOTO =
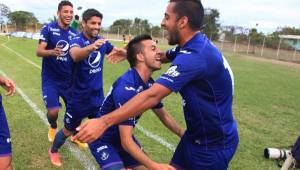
(126, 87)
(5, 141)
(87, 82)
(57, 68)
(205, 81)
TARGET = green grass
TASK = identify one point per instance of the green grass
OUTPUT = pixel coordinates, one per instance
(266, 107)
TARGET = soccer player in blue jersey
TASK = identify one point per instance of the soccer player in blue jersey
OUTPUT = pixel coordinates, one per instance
(5, 141)
(85, 95)
(202, 76)
(118, 148)
(53, 47)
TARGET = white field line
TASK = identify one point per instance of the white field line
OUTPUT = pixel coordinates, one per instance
(22, 57)
(144, 131)
(81, 156)
(156, 138)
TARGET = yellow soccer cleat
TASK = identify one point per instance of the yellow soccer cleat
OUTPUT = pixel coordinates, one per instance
(51, 134)
(80, 144)
(54, 158)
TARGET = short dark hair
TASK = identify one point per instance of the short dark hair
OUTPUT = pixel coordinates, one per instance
(192, 9)
(134, 47)
(64, 3)
(89, 13)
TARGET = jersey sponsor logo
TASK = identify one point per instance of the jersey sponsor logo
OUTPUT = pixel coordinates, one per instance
(185, 52)
(56, 33)
(54, 29)
(72, 33)
(94, 61)
(96, 70)
(130, 89)
(101, 148)
(172, 72)
(64, 46)
(104, 156)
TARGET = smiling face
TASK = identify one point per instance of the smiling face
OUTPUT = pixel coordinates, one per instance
(65, 15)
(151, 56)
(170, 24)
(92, 26)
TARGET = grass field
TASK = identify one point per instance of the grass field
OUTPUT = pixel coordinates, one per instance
(266, 107)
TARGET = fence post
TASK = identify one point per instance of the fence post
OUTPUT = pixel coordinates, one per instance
(222, 44)
(118, 33)
(6, 28)
(248, 45)
(278, 48)
(234, 47)
(294, 56)
(262, 48)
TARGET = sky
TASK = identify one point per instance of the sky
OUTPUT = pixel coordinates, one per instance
(265, 15)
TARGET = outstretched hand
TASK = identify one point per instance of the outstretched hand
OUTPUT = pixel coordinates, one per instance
(97, 44)
(117, 55)
(8, 85)
(91, 130)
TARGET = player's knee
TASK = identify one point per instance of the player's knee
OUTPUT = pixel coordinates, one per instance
(66, 132)
(53, 112)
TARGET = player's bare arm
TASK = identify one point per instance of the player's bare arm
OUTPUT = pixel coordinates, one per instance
(94, 128)
(169, 121)
(117, 55)
(42, 52)
(79, 54)
(134, 150)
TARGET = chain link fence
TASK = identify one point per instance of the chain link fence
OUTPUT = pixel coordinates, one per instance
(272, 47)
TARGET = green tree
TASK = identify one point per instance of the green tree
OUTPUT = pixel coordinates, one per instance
(288, 31)
(140, 26)
(121, 26)
(156, 31)
(4, 11)
(211, 25)
(21, 19)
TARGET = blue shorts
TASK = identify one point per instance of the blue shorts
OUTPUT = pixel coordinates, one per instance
(73, 117)
(188, 155)
(52, 90)
(110, 155)
(5, 141)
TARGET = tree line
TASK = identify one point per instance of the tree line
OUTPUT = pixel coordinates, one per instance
(211, 27)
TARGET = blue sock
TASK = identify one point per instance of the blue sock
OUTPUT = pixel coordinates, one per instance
(59, 140)
(52, 121)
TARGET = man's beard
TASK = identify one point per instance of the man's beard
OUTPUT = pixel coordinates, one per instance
(173, 37)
